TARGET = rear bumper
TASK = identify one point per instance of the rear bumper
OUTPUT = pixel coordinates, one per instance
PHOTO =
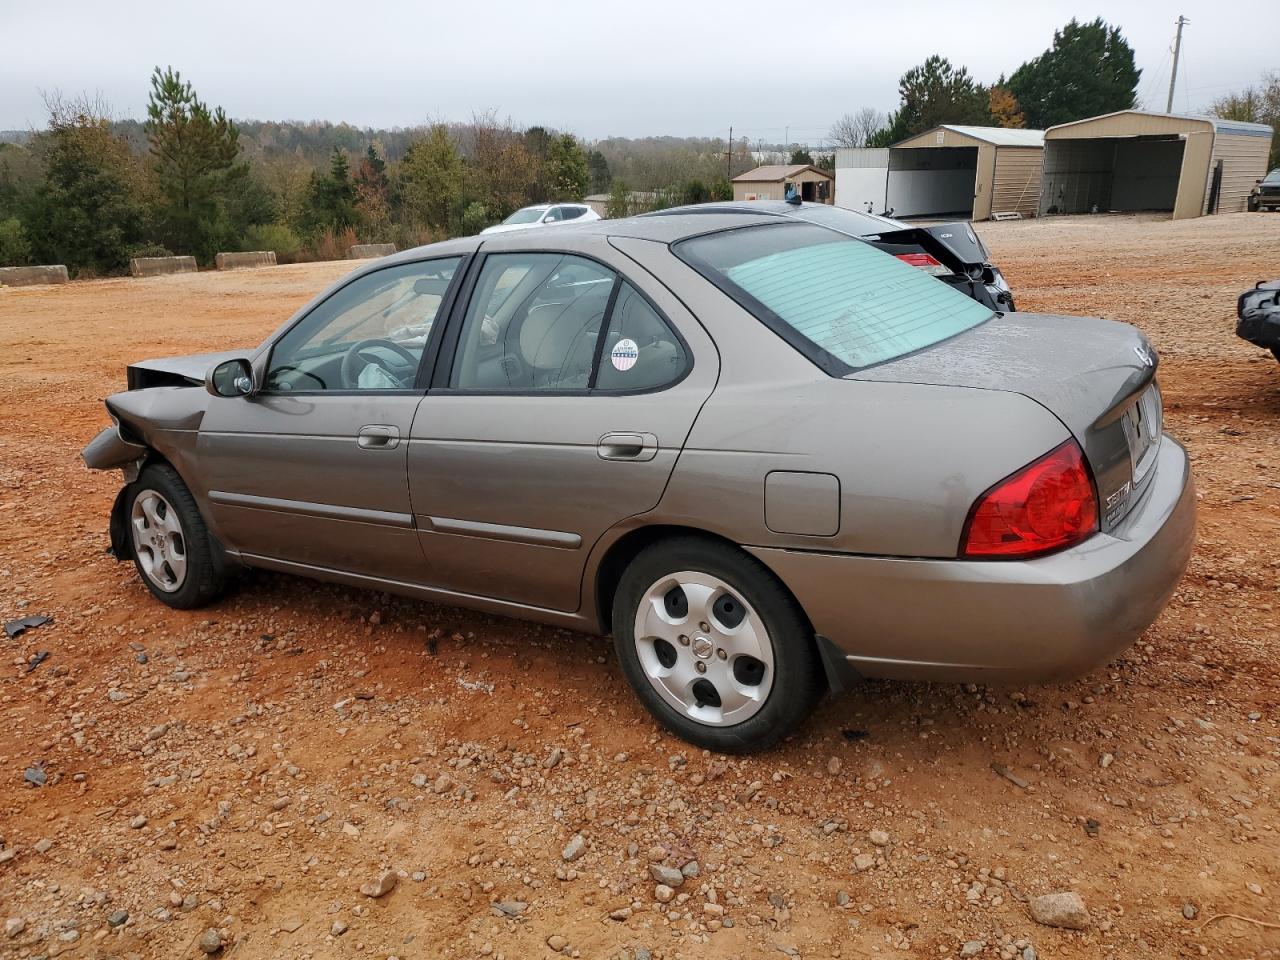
(1003, 621)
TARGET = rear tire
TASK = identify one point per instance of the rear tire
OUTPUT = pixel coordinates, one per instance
(172, 548)
(715, 646)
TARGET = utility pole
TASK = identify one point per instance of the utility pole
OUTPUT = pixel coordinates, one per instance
(1177, 49)
(728, 157)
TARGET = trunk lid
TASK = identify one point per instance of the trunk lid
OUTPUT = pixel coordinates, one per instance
(1095, 375)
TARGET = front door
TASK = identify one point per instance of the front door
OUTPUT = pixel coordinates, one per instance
(559, 412)
(311, 470)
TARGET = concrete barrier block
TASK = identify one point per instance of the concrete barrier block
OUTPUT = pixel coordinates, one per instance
(157, 266)
(30, 276)
(250, 258)
(367, 251)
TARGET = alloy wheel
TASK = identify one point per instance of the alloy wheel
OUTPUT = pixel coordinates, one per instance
(703, 648)
(158, 541)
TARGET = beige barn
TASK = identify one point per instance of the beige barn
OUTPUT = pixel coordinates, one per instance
(769, 183)
(1132, 161)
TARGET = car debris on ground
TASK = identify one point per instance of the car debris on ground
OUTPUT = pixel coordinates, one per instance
(15, 627)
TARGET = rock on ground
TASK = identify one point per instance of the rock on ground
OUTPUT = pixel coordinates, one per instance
(381, 885)
(1065, 909)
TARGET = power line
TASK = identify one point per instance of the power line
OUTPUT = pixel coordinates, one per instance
(1153, 81)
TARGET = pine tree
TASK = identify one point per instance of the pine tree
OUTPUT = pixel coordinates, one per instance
(195, 151)
(933, 93)
(333, 197)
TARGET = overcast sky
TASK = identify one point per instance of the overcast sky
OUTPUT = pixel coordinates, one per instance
(597, 68)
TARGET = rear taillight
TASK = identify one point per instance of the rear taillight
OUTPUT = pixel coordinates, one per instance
(1047, 505)
(925, 262)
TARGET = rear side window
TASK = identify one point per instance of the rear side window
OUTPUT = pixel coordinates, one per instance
(640, 350)
(840, 301)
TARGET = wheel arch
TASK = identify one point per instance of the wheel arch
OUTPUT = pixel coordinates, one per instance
(608, 574)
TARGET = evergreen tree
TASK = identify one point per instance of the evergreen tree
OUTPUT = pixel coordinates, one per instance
(801, 155)
(195, 152)
(88, 211)
(933, 93)
(332, 200)
(598, 172)
(1087, 71)
(565, 171)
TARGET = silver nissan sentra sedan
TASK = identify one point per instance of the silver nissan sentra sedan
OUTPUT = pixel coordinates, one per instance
(766, 456)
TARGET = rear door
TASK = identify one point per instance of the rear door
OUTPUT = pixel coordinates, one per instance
(567, 384)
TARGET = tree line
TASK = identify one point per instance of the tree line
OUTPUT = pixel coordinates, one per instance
(91, 193)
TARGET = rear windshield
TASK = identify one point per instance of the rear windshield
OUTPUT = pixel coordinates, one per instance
(840, 301)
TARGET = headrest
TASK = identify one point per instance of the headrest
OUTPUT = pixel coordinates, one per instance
(553, 331)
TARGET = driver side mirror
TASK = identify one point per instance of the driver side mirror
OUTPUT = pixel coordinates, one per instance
(231, 378)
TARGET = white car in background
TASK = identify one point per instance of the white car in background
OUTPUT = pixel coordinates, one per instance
(544, 215)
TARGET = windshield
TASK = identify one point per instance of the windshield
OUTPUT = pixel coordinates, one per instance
(527, 215)
(840, 301)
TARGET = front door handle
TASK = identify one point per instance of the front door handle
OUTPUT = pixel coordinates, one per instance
(627, 446)
(378, 436)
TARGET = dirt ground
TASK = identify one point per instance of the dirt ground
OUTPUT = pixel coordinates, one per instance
(246, 768)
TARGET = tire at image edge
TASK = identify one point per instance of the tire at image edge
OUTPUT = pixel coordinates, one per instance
(798, 674)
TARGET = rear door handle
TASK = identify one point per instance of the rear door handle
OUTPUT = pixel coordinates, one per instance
(627, 446)
(378, 436)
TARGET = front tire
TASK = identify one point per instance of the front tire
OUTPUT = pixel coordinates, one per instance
(171, 546)
(714, 645)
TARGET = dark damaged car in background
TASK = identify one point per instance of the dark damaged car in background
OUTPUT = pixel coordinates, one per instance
(768, 456)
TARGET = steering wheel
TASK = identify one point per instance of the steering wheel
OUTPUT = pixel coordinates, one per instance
(351, 359)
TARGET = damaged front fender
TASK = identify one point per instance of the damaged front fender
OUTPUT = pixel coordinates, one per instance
(109, 451)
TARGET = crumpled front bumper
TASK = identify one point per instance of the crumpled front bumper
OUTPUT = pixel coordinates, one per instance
(1025, 621)
(109, 451)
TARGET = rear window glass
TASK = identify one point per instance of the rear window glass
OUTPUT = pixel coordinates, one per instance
(840, 301)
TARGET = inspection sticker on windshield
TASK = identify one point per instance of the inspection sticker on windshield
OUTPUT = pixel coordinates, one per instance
(624, 354)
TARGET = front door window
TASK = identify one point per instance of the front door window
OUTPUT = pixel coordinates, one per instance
(369, 335)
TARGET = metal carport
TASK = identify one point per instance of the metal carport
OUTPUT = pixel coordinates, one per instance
(1133, 161)
(971, 172)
